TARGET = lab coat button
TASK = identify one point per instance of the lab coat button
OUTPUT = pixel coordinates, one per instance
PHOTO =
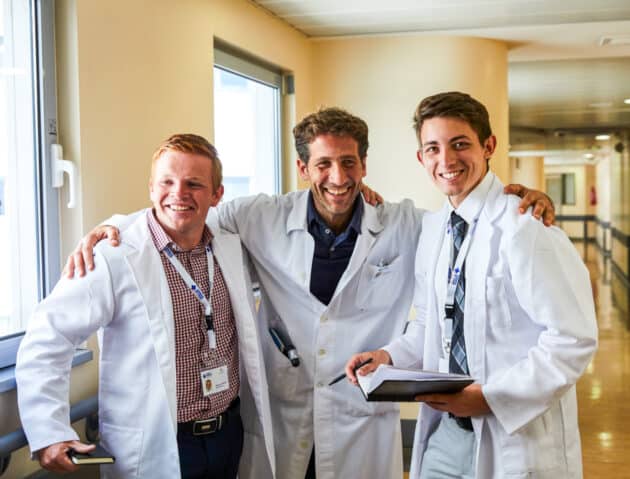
(322, 352)
(324, 318)
(304, 444)
(320, 384)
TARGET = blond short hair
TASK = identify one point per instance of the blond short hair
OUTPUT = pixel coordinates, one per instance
(194, 144)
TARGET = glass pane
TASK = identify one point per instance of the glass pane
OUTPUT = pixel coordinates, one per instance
(19, 282)
(246, 134)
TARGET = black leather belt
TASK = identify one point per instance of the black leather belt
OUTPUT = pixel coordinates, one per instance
(463, 422)
(201, 427)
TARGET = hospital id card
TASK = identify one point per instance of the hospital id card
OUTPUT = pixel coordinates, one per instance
(215, 380)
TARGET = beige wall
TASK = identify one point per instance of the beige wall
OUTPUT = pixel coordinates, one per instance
(620, 187)
(528, 171)
(383, 78)
(602, 174)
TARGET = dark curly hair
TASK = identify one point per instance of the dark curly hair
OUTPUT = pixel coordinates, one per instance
(329, 121)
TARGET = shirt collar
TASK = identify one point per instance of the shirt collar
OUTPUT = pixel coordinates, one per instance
(313, 216)
(471, 206)
(161, 239)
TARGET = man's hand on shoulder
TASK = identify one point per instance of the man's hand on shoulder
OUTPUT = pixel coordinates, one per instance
(370, 196)
(82, 258)
(55, 457)
(543, 207)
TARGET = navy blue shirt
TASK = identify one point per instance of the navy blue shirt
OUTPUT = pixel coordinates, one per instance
(332, 253)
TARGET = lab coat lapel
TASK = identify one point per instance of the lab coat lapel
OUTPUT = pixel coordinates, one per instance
(147, 269)
(228, 252)
(434, 226)
(477, 271)
(371, 226)
(302, 257)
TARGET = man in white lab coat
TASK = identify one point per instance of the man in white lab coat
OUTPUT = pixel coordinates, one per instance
(172, 363)
(336, 278)
(500, 297)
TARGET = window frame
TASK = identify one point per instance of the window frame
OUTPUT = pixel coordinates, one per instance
(233, 60)
(43, 67)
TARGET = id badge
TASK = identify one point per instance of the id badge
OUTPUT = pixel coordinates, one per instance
(214, 380)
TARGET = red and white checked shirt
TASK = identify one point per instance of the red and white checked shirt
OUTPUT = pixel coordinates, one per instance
(192, 351)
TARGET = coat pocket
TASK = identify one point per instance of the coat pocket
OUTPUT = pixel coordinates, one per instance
(379, 284)
(282, 377)
(497, 303)
(125, 443)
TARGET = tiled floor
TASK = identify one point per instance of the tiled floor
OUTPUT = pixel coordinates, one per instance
(604, 392)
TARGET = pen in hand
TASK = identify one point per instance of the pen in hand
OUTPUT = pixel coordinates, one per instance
(341, 376)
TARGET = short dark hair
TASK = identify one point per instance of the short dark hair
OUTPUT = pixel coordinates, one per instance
(330, 121)
(195, 144)
(454, 104)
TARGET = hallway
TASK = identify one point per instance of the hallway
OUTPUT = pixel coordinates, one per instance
(603, 390)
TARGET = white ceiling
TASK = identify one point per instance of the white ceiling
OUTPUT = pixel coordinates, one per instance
(560, 78)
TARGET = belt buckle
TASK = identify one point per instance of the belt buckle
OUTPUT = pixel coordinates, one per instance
(207, 426)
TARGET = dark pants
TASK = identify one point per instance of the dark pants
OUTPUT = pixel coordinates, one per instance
(212, 456)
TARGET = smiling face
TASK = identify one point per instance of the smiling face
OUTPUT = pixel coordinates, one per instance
(334, 171)
(453, 156)
(182, 191)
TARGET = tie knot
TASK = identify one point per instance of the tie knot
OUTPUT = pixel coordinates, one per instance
(458, 225)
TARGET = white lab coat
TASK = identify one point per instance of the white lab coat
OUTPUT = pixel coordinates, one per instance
(371, 304)
(128, 299)
(530, 332)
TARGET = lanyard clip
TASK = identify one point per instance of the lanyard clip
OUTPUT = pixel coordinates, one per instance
(449, 310)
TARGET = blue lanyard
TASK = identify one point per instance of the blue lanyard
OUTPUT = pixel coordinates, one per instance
(454, 274)
(192, 286)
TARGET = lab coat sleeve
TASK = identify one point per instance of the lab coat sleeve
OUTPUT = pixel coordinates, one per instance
(122, 221)
(552, 285)
(74, 310)
(233, 214)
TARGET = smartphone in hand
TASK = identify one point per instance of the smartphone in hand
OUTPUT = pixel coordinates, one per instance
(99, 455)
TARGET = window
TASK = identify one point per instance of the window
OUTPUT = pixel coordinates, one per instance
(29, 235)
(247, 124)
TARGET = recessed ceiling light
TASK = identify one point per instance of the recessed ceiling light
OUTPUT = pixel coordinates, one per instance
(602, 137)
(589, 156)
(627, 101)
(600, 104)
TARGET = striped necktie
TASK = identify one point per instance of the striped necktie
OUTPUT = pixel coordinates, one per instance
(457, 361)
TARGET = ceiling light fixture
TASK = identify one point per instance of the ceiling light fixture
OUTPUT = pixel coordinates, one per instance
(627, 101)
(589, 156)
(600, 104)
(602, 137)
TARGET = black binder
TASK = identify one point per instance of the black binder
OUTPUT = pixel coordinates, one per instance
(402, 385)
